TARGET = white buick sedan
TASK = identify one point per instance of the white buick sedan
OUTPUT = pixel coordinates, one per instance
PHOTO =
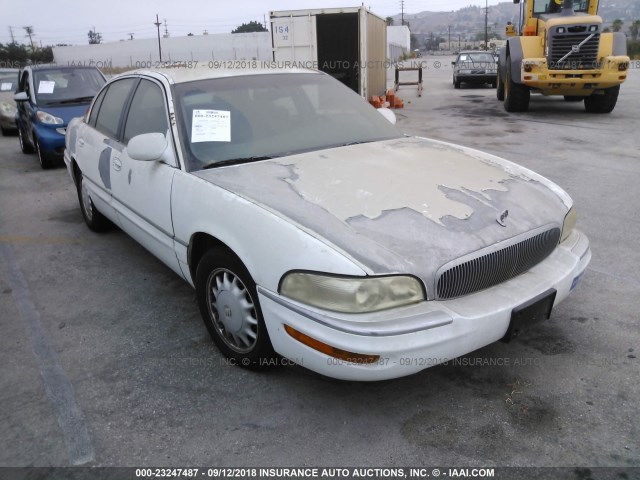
(312, 229)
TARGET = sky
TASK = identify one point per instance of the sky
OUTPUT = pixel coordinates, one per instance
(69, 21)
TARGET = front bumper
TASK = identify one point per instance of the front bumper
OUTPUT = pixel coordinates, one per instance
(536, 74)
(8, 122)
(478, 78)
(416, 337)
(51, 138)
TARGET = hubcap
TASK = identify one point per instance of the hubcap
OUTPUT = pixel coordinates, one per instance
(232, 310)
(86, 201)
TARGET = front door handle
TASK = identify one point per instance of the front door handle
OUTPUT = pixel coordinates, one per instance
(81, 143)
(117, 164)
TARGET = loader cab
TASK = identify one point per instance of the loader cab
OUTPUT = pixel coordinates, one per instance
(543, 7)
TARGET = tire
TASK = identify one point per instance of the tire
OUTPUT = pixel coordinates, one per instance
(573, 98)
(26, 148)
(45, 161)
(494, 84)
(223, 285)
(456, 83)
(516, 95)
(604, 103)
(499, 87)
(92, 217)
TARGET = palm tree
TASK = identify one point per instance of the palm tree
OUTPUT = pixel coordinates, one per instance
(616, 26)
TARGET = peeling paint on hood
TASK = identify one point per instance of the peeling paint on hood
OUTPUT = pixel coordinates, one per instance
(394, 178)
(399, 206)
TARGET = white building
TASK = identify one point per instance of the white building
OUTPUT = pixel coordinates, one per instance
(398, 41)
(144, 53)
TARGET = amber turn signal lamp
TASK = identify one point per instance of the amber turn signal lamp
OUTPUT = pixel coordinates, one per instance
(350, 357)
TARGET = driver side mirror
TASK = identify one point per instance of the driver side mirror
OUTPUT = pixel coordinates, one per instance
(21, 97)
(453, 63)
(147, 147)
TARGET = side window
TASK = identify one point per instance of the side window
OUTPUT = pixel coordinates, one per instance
(112, 106)
(95, 108)
(147, 113)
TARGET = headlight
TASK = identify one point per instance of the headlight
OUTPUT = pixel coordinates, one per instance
(351, 294)
(45, 117)
(569, 224)
(7, 108)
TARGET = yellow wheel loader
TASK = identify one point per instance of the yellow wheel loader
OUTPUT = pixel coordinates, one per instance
(560, 48)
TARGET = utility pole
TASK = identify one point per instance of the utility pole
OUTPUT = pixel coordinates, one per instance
(402, 11)
(29, 31)
(486, 25)
(130, 36)
(264, 21)
(449, 46)
(166, 30)
(13, 40)
(157, 24)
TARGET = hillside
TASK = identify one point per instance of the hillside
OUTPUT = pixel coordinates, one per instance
(469, 21)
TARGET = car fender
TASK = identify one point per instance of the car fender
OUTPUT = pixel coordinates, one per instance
(265, 242)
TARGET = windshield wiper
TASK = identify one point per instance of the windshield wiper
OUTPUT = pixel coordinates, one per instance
(235, 161)
(75, 100)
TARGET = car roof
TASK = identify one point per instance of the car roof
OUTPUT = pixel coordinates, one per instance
(203, 72)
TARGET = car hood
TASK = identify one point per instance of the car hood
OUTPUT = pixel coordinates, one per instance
(401, 206)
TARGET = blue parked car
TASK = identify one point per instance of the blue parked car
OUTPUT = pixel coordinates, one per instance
(48, 97)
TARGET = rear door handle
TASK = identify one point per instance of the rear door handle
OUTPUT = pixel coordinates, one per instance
(117, 164)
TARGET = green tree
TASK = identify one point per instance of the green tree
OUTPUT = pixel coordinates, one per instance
(634, 29)
(94, 37)
(252, 26)
(14, 54)
(616, 26)
(389, 21)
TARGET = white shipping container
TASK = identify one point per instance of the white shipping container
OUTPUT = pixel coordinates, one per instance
(348, 43)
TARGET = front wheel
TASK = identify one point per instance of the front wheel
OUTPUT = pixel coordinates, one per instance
(603, 103)
(228, 301)
(92, 217)
(499, 87)
(45, 161)
(24, 146)
(516, 95)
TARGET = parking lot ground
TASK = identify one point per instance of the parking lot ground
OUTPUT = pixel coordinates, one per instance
(106, 362)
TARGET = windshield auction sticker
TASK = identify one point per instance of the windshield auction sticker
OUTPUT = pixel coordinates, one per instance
(46, 86)
(211, 126)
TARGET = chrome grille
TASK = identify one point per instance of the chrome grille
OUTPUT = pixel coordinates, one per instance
(585, 59)
(494, 265)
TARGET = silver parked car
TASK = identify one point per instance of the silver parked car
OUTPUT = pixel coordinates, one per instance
(474, 67)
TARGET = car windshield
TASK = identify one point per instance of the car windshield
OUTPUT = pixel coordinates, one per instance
(8, 82)
(60, 86)
(553, 6)
(237, 119)
(477, 58)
